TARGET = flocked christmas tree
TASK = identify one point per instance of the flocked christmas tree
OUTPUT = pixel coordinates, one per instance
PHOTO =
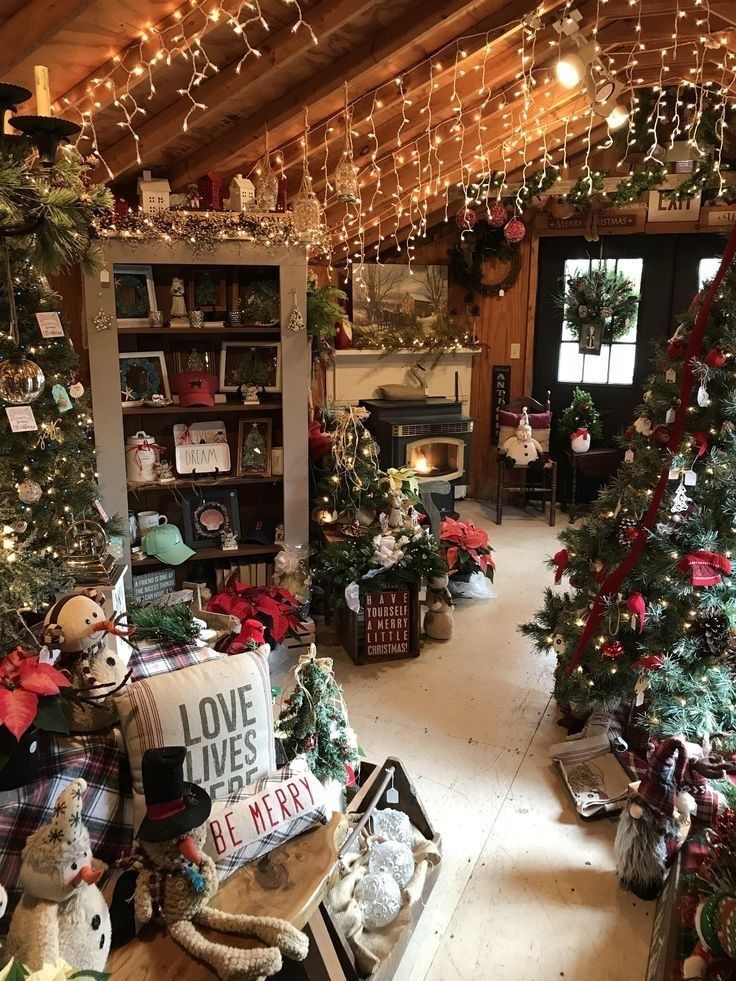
(314, 721)
(650, 617)
(253, 458)
(47, 474)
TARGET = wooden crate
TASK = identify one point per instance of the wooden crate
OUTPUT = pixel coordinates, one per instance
(386, 629)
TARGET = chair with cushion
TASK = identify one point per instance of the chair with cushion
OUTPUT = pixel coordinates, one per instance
(538, 479)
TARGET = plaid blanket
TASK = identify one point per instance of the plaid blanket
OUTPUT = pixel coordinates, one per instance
(152, 659)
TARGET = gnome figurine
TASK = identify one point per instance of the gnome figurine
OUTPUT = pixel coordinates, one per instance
(184, 879)
(62, 913)
(657, 811)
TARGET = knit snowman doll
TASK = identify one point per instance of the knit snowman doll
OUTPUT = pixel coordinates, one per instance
(62, 913)
(522, 449)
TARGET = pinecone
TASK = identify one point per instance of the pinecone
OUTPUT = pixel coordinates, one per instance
(712, 630)
(627, 530)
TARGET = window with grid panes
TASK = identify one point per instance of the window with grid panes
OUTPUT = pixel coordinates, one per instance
(615, 364)
(707, 269)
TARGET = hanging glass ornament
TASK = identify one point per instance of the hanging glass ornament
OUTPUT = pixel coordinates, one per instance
(21, 381)
(379, 899)
(29, 491)
(514, 231)
(347, 185)
(267, 184)
(703, 397)
(307, 215)
(497, 215)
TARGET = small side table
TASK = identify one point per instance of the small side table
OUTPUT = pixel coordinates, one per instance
(599, 462)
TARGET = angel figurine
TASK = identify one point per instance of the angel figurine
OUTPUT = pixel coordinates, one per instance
(178, 306)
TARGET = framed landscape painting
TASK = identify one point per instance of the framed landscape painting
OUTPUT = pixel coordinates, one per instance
(390, 296)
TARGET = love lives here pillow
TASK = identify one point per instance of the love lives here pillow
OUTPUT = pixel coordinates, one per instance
(220, 711)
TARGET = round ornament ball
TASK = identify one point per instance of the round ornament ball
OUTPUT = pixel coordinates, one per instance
(394, 858)
(559, 645)
(612, 650)
(661, 435)
(497, 215)
(465, 219)
(514, 231)
(393, 825)
(21, 381)
(76, 390)
(29, 491)
(379, 899)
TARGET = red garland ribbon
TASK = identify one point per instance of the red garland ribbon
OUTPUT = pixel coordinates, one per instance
(612, 584)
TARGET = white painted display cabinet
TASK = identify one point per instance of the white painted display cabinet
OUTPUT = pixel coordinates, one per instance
(139, 276)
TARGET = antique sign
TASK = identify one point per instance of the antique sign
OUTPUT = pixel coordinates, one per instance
(501, 393)
(662, 208)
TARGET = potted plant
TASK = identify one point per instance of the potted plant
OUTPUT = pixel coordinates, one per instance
(580, 422)
(467, 550)
(325, 312)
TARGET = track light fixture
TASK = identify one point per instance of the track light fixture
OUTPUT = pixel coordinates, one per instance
(573, 67)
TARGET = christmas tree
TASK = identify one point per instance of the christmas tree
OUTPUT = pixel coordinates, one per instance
(649, 620)
(348, 477)
(47, 474)
(254, 371)
(253, 459)
(314, 721)
(580, 414)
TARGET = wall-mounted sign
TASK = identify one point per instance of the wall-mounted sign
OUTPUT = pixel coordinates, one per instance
(662, 208)
(607, 221)
(500, 395)
(720, 216)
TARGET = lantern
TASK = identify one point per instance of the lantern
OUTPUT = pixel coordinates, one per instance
(307, 213)
(347, 185)
(267, 184)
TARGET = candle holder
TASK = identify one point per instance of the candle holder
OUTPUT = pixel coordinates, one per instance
(46, 132)
(11, 96)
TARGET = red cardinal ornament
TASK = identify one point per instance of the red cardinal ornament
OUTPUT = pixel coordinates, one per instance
(677, 347)
(705, 568)
(701, 441)
(716, 357)
(561, 560)
(648, 662)
(637, 607)
(612, 650)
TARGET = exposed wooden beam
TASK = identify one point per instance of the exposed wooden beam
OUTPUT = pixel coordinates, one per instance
(407, 40)
(278, 51)
(32, 26)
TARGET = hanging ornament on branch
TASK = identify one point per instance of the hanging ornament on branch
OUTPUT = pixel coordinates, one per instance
(296, 319)
(267, 184)
(514, 231)
(21, 381)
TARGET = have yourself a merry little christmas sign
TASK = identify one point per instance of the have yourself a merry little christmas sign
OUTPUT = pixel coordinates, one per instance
(389, 625)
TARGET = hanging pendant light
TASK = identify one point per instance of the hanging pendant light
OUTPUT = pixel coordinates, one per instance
(347, 185)
(307, 214)
(267, 184)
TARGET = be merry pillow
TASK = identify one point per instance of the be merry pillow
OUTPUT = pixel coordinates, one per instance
(220, 711)
(255, 820)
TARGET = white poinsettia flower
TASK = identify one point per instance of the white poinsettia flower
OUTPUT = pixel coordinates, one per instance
(57, 970)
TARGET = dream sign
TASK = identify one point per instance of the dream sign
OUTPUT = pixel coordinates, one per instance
(201, 448)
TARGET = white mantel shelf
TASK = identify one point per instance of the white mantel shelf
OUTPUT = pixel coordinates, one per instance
(407, 352)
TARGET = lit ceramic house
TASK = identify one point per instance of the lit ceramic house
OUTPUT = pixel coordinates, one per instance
(242, 194)
(153, 193)
(210, 192)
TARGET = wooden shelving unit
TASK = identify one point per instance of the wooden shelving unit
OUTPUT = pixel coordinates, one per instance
(280, 498)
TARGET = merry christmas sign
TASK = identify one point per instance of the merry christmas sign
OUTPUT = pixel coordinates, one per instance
(387, 625)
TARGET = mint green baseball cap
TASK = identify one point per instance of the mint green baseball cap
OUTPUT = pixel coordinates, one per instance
(165, 543)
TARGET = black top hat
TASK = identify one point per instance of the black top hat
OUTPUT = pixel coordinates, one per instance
(173, 806)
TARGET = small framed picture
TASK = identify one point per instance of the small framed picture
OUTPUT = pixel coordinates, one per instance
(207, 289)
(196, 359)
(254, 448)
(591, 337)
(135, 295)
(209, 514)
(142, 375)
(254, 363)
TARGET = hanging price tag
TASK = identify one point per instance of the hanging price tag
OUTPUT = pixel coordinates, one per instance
(691, 478)
(670, 417)
(629, 456)
(50, 325)
(21, 418)
(674, 474)
(642, 683)
(670, 375)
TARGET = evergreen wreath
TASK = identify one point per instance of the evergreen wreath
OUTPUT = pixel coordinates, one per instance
(601, 294)
(469, 255)
(152, 384)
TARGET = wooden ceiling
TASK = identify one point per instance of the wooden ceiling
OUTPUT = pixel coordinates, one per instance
(446, 77)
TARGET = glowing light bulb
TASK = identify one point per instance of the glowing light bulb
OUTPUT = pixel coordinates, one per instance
(617, 117)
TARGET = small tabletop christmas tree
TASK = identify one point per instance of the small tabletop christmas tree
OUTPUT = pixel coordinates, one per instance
(253, 370)
(580, 414)
(314, 721)
(254, 451)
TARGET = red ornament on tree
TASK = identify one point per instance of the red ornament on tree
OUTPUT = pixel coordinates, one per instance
(661, 435)
(612, 650)
(716, 357)
(514, 231)
(704, 567)
(677, 347)
(648, 662)
(497, 215)
(561, 560)
(466, 219)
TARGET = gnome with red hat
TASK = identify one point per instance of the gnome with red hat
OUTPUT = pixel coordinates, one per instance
(172, 836)
(657, 812)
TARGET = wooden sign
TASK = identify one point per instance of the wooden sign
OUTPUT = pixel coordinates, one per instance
(500, 395)
(387, 624)
(662, 208)
(201, 448)
(151, 585)
(610, 222)
(719, 215)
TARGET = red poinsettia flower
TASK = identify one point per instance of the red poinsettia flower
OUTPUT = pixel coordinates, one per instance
(463, 537)
(22, 679)
(274, 609)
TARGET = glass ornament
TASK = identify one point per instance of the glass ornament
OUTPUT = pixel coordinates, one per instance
(307, 214)
(394, 858)
(393, 825)
(379, 899)
(267, 187)
(347, 185)
(21, 381)
(29, 491)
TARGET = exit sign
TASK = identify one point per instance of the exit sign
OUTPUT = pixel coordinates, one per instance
(662, 208)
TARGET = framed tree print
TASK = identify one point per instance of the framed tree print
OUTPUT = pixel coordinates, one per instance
(254, 448)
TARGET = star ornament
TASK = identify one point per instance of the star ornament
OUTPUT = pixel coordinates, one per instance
(127, 393)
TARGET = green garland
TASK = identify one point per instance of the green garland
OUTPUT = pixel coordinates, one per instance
(442, 337)
(635, 186)
(163, 623)
(600, 295)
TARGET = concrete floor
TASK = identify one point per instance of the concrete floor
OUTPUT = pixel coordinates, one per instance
(527, 890)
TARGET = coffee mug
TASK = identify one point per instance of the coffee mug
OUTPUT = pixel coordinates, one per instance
(150, 519)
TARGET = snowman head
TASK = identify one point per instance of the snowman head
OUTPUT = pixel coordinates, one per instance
(176, 853)
(57, 859)
(559, 645)
(75, 623)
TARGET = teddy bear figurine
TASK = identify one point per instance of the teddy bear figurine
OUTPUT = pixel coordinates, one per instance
(522, 449)
(62, 913)
(184, 879)
(439, 618)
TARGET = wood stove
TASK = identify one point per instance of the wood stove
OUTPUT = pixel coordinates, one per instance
(432, 436)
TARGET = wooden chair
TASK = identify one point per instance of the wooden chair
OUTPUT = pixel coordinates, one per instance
(544, 488)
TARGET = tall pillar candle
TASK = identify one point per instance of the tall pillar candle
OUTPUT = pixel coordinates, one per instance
(43, 92)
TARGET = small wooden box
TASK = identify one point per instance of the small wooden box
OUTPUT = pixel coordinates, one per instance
(386, 629)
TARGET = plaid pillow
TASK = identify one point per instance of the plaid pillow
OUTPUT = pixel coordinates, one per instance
(153, 659)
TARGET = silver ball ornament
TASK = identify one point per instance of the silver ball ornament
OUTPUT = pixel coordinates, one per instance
(394, 858)
(379, 899)
(393, 825)
(21, 381)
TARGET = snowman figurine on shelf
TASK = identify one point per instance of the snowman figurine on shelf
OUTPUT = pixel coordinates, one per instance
(522, 449)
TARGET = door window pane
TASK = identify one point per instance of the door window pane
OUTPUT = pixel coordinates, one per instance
(707, 270)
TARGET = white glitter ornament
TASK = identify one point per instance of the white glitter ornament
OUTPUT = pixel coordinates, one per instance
(29, 491)
(379, 899)
(394, 858)
(393, 825)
